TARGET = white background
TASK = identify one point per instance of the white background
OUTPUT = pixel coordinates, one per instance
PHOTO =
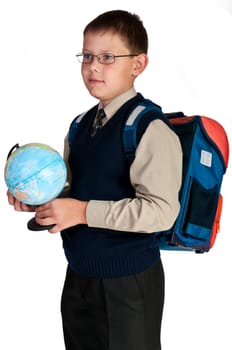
(41, 91)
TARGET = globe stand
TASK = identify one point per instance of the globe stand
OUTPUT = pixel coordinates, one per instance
(34, 226)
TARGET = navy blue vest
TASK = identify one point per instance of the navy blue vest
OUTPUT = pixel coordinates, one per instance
(100, 171)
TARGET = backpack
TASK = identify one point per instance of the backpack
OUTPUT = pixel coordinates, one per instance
(205, 150)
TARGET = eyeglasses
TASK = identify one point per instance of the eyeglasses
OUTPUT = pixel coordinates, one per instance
(103, 58)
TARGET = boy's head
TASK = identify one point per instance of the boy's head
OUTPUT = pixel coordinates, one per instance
(127, 25)
(114, 53)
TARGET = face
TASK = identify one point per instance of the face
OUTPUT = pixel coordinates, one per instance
(105, 82)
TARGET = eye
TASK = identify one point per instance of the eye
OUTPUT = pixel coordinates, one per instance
(107, 57)
(87, 56)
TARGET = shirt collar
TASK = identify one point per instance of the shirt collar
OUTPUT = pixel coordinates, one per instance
(114, 105)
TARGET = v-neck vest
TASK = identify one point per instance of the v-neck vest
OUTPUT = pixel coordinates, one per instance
(100, 171)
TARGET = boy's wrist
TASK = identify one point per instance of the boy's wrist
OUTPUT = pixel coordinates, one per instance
(83, 216)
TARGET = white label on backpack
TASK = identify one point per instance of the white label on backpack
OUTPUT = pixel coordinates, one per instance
(206, 158)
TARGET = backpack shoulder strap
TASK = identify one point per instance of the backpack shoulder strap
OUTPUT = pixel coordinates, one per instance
(130, 128)
(74, 126)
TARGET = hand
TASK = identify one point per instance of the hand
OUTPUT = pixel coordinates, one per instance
(19, 206)
(63, 212)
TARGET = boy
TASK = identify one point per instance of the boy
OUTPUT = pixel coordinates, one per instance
(114, 289)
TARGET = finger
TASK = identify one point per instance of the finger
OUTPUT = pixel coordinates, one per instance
(42, 213)
(26, 207)
(44, 206)
(45, 221)
(18, 205)
(11, 199)
(54, 229)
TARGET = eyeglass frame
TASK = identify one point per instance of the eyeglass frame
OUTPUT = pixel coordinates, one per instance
(98, 57)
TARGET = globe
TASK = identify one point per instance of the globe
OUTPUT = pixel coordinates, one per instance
(35, 173)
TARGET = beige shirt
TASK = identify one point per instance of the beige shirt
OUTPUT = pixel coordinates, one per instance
(155, 174)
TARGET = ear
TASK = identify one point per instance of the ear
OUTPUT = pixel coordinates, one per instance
(140, 63)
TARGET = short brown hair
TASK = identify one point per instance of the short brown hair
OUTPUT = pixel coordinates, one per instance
(129, 26)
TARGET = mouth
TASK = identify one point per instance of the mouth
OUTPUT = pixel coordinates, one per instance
(94, 81)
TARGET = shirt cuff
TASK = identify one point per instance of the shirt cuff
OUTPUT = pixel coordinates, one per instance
(96, 213)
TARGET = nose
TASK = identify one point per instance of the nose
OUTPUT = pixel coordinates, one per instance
(95, 64)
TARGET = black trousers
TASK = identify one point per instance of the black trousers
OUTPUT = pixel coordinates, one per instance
(113, 314)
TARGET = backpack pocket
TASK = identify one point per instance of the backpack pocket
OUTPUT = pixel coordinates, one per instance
(201, 210)
(197, 225)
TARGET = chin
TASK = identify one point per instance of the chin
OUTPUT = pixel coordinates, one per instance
(93, 92)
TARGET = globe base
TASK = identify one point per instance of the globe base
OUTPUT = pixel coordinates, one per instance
(33, 226)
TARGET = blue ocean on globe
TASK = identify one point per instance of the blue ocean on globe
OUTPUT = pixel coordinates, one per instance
(35, 173)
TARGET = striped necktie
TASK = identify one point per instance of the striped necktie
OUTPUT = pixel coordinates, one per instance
(98, 122)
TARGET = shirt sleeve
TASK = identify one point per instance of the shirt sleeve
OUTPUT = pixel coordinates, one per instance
(155, 174)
